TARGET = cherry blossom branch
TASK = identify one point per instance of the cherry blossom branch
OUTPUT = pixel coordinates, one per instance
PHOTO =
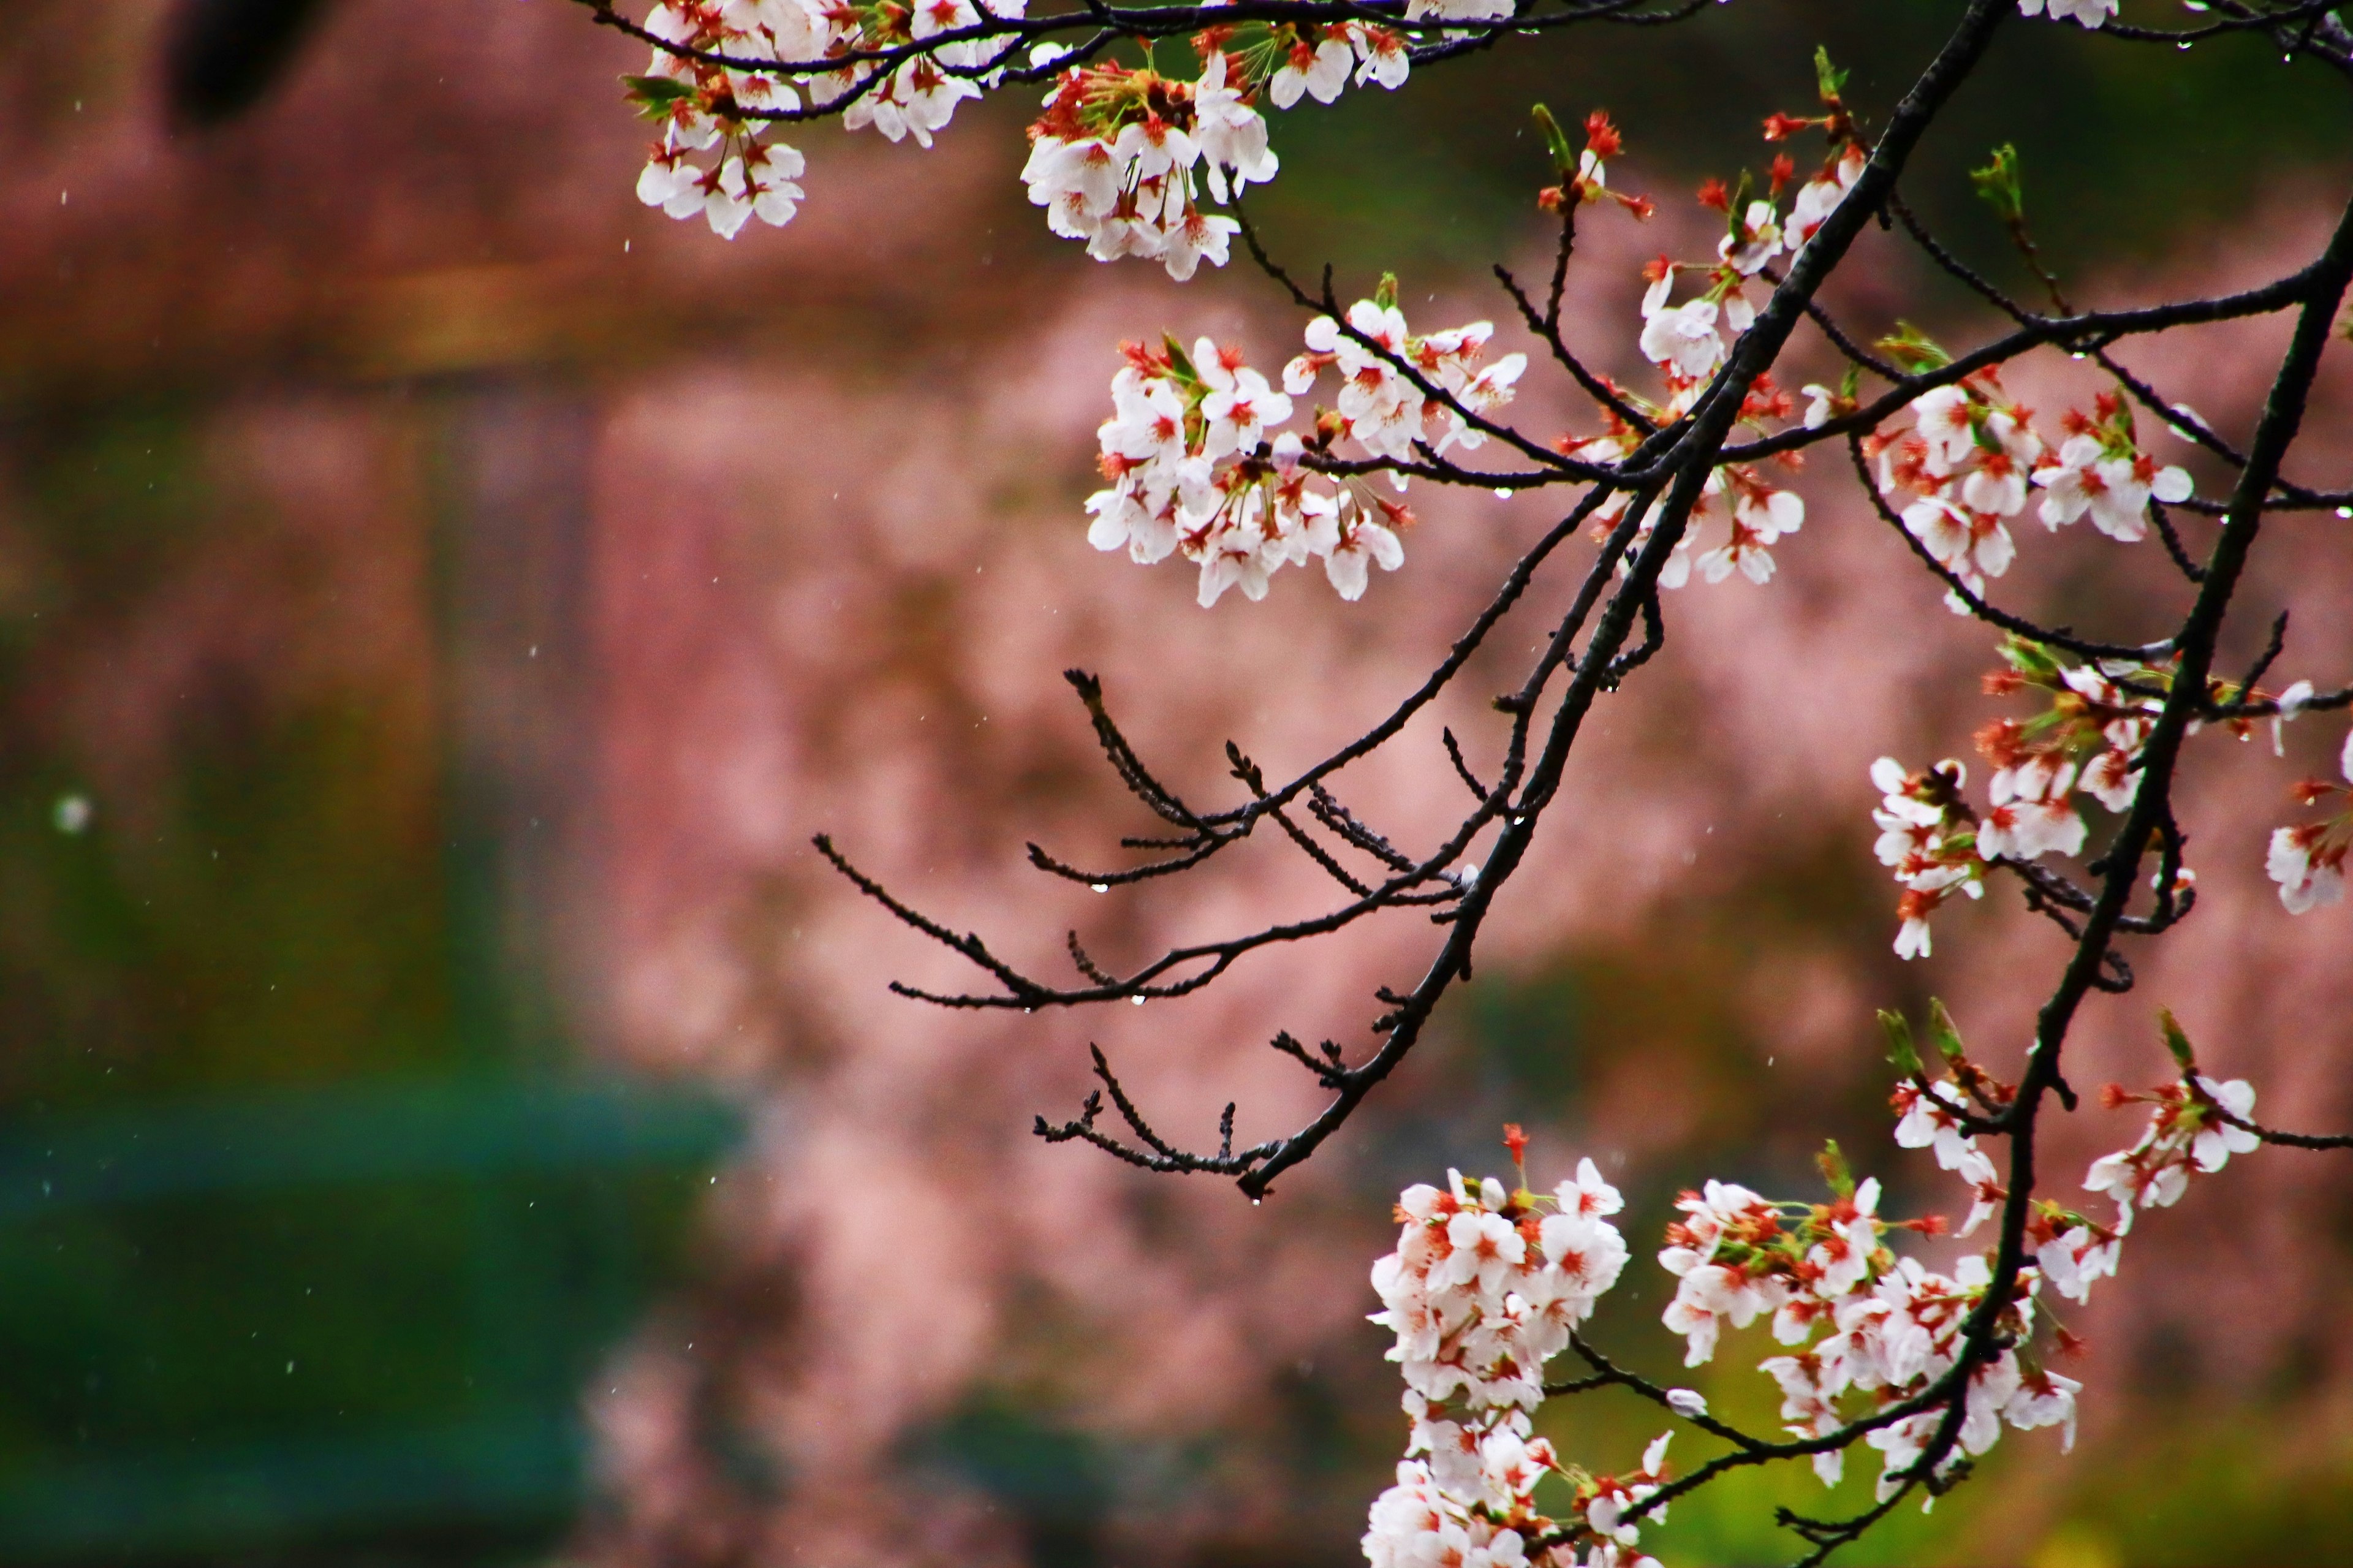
(1606, 1372)
(1107, 24)
(1691, 451)
(1826, 1536)
(2223, 1113)
(2318, 301)
(1665, 466)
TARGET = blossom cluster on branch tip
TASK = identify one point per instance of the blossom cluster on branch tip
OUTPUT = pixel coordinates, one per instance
(1119, 158)
(1115, 159)
(2190, 1130)
(1486, 1285)
(1196, 466)
(1889, 1327)
(1973, 452)
(717, 156)
(2307, 860)
(1688, 344)
(2087, 742)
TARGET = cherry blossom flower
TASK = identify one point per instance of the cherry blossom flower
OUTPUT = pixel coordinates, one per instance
(1928, 836)
(1230, 134)
(1820, 197)
(2115, 488)
(2307, 860)
(1239, 405)
(1755, 239)
(1319, 70)
(1972, 545)
(2031, 813)
(2310, 872)
(1819, 402)
(1681, 336)
(2044, 1399)
(1380, 54)
(1360, 543)
(2073, 1260)
(2291, 702)
(1458, 10)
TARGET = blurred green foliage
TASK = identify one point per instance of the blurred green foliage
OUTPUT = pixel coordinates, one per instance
(2128, 148)
(303, 1246)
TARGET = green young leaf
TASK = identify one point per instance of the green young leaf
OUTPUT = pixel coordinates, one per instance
(1998, 186)
(653, 95)
(1828, 79)
(1851, 384)
(2184, 1055)
(1914, 350)
(1901, 1052)
(1832, 1161)
(1178, 361)
(1385, 295)
(1940, 1029)
(2031, 659)
(1564, 157)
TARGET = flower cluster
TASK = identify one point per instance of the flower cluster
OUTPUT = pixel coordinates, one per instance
(1124, 194)
(1486, 1286)
(2087, 739)
(1973, 453)
(716, 156)
(1114, 159)
(2195, 1124)
(1196, 466)
(1888, 1327)
(1380, 407)
(2091, 734)
(1119, 159)
(2307, 861)
(1585, 174)
(1967, 463)
(1929, 835)
(713, 157)
(1686, 341)
(2192, 1127)
(2100, 471)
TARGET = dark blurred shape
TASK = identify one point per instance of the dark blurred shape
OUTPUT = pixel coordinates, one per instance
(221, 55)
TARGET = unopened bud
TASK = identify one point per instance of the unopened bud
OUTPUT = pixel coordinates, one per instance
(1564, 157)
(2184, 1057)
(1900, 1048)
(1941, 1030)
